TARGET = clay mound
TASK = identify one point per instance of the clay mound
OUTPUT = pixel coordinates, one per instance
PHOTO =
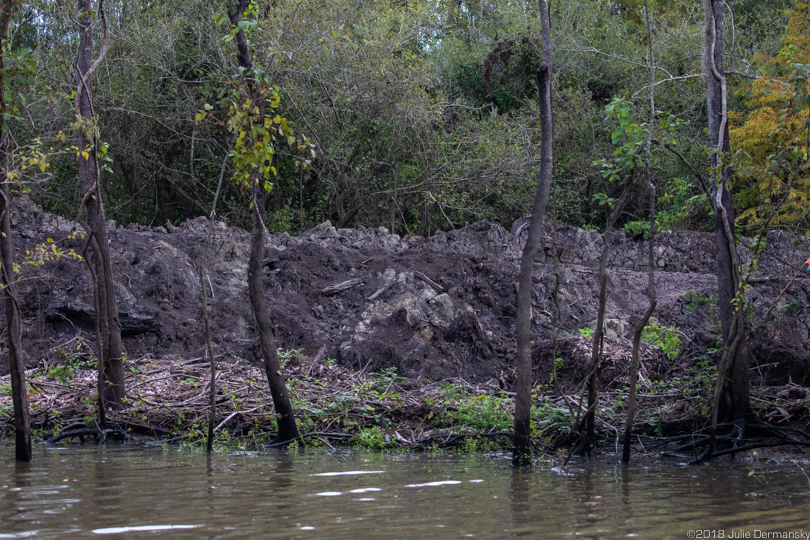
(435, 308)
(413, 310)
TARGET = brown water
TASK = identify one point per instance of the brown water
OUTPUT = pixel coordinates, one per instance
(87, 491)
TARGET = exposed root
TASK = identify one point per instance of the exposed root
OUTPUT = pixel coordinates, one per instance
(741, 429)
(81, 433)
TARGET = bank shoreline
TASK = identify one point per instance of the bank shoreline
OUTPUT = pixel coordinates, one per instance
(167, 403)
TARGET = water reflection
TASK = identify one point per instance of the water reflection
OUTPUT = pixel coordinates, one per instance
(523, 522)
(138, 493)
(625, 474)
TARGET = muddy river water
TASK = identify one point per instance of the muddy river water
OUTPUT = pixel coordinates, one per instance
(135, 492)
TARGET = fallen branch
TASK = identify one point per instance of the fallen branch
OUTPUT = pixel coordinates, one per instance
(429, 281)
(387, 285)
(340, 287)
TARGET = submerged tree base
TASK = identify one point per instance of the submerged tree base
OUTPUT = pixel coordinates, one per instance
(168, 398)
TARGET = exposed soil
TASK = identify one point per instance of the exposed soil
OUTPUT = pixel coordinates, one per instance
(431, 308)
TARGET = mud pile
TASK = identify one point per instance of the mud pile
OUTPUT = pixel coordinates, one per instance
(432, 308)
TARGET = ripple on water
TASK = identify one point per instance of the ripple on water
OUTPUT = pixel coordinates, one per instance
(142, 528)
(347, 473)
(434, 484)
(277, 496)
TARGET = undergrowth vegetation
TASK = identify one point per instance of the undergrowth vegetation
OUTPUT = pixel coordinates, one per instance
(337, 406)
(334, 405)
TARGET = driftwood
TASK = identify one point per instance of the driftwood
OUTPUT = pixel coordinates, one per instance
(340, 287)
(387, 285)
(87, 432)
(429, 281)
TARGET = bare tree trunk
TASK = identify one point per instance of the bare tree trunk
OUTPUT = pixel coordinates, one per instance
(733, 382)
(523, 399)
(111, 349)
(212, 395)
(598, 332)
(631, 399)
(19, 391)
(212, 390)
(287, 430)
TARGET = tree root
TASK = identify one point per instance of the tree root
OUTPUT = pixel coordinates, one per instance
(741, 429)
(102, 434)
(583, 447)
(753, 446)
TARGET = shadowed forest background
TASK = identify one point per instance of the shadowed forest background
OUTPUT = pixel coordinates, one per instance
(422, 115)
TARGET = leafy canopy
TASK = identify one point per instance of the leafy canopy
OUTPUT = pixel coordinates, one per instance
(773, 136)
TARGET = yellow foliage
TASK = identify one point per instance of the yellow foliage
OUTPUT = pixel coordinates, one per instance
(771, 180)
(50, 250)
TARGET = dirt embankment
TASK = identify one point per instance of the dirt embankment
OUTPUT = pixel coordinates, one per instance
(433, 308)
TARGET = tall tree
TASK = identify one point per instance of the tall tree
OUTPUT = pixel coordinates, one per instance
(258, 145)
(731, 395)
(639, 327)
(597, 344)
(19, 391)
(108, 326)
(523, 392)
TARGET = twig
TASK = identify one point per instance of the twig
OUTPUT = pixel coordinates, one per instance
(429, 281)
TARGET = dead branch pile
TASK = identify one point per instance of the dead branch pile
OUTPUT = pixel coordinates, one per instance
(167, 400)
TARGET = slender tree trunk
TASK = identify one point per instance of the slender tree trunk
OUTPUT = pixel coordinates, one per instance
(212, 391)
(111, 349)
(598, 332)
(209, 347)
(19, 390)
(637, 331)
(631, 399)
(523, 398)
(732, 396)
(287, 430)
